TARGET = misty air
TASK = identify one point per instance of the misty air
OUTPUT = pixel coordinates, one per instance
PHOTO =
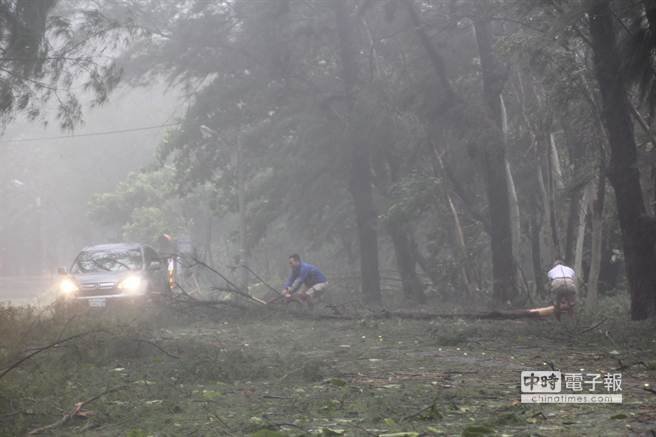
(285, 218)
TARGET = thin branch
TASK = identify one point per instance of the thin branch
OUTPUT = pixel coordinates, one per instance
(75, 411)
(642, 122)
(519, 22)
(233, 288)
(649, 389)
(27, 79)
(259, 278)
(596, 325)
(439, 65)
(158, 347)
(45, 348)
(429, 408)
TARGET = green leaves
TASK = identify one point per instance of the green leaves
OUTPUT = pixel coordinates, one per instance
(413, 195)
(330, 432)
(143, 207)
(337, 382)
(477, 431)
(137, 432)
(269, 433)
(400, 434)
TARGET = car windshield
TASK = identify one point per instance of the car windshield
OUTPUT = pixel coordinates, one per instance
(108, 261)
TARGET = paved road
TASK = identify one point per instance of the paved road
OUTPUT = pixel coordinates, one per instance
(20, 290)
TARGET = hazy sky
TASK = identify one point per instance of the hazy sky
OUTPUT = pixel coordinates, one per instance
(65, 173)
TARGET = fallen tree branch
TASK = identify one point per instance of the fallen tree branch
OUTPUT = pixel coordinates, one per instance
(593, 326)
(191, 300)
(156, 346)
(492, 315)
(222, 422)
(384, 314)
(279, 425)
(607, 335)
(75, 411)
(45, 348)
(623, 366)
(649, 389)
(290, 373)
(233, 288)
(15, 413)
(259, 278)
(432, 409)
(276, 397)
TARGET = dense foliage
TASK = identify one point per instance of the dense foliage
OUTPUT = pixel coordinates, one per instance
(463, 144)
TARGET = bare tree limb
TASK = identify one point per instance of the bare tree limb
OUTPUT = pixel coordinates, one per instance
(75, 411)
(158, 347)
(45, 348)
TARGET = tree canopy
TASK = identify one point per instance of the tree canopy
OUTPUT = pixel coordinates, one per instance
(464, 144)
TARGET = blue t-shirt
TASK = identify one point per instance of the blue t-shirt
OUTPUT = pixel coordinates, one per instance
(306, 274)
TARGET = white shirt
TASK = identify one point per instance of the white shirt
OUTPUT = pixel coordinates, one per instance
(561, 271)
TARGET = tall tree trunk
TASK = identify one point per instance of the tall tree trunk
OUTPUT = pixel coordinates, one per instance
(555, 188)
(398, 228)
(360, 178)
(554, 158)
(536, 254)
(458, 239)
(573, 221)
(650, 13)
(406, 260)
(210, 237)
(427, 268)
(497, 169)
(597, 234)
(547, 188)
(637, 238)
(653, 187)
(515, 216)
(503, 266)
(241, 200)
(5, 252)
(577, 155)
(535, 222)
(491, 145)
(580, 232)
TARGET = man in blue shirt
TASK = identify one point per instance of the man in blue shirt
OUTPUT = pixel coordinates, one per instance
(304, 277)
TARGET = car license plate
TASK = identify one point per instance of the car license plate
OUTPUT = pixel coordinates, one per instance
(98, 302)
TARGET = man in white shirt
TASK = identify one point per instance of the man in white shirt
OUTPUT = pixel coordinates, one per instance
(562, 280)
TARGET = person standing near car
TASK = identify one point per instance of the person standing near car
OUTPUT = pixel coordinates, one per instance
(304, 277)
(167, 252)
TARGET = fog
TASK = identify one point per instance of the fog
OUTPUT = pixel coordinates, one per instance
(50, 176)
(318, 167)
(443, 163)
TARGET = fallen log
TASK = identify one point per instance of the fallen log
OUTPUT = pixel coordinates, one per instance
(532, 313)
(535, 313)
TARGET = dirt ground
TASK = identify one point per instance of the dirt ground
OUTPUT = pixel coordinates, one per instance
(165, 374)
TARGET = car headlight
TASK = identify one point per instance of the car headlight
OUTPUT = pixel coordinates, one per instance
(132, 285)
(68, 287)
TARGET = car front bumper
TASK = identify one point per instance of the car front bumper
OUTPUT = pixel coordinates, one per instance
(109, 297)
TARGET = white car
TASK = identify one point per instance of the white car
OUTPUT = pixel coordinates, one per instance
(110, 272)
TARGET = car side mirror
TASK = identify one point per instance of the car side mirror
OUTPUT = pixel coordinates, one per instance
(61, 271)
(155, 265)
